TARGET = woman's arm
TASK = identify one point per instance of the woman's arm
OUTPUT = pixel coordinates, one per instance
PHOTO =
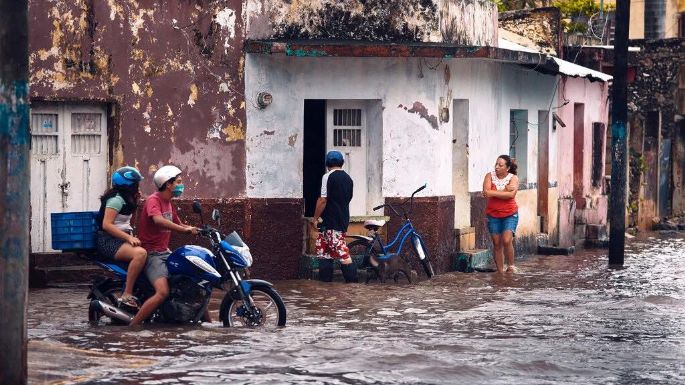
(108, 226)
(486, 184)
(509, 191)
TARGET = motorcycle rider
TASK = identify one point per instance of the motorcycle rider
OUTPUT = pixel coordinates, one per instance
(157, 220)
(115, 239)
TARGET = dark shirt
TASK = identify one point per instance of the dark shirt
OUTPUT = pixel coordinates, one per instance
(336, 187)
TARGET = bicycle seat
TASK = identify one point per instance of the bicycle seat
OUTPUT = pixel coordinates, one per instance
(373, 224)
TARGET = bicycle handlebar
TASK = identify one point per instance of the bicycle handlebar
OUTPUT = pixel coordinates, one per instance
(403, 203)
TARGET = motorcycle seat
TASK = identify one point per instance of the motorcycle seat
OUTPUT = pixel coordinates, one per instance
(373, 224)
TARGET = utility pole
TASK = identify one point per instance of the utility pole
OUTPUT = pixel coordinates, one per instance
(619, 124)
(15, 141)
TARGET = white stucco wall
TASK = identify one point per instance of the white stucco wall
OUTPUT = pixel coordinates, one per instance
(414, 152)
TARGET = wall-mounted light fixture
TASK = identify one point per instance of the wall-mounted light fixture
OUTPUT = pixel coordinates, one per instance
(264, 99)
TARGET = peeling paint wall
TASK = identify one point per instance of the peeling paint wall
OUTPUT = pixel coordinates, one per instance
(468, 22)
(173, 73)
(417, 146)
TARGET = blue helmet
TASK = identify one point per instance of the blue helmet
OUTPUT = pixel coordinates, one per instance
(126, 176)
(334, 159)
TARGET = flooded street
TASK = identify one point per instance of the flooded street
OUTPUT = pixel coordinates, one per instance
(559, 320)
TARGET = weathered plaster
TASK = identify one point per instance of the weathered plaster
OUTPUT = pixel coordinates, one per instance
(408, 138)
(468, 22)
(542, 26)
(174, 71)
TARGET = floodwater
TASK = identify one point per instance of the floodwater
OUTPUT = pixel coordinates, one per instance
(558, 320)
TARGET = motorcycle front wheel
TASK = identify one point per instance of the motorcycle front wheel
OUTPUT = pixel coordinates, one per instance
(269, 310)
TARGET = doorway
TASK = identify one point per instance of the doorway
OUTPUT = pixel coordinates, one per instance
(314, 152)
(460, 163)
(543, 170)
(355, 128)
(578, 153)
(69, 156)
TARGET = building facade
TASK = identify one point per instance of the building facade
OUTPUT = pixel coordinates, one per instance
(246, 97)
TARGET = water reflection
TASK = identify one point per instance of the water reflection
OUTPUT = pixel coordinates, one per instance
(561, 319)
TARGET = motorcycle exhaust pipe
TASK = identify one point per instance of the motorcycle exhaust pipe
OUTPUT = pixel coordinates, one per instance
(111, 311)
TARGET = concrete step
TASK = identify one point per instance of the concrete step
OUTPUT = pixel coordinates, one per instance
(472, 260)
(48, 276)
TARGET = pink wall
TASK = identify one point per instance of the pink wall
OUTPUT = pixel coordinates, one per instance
(589, 207)
(594, 95)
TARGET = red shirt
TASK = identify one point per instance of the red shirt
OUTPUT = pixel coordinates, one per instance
(152, 237)
(500, 208)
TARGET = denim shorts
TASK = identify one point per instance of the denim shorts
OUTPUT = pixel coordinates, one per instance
(500, 225)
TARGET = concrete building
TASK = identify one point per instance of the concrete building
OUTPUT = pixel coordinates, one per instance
(246, 97)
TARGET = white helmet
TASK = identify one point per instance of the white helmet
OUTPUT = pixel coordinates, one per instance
(164, 174)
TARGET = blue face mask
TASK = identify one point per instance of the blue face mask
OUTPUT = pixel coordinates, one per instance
(178, 190)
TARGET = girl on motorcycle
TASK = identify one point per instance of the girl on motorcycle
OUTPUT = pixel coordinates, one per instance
(115, 239)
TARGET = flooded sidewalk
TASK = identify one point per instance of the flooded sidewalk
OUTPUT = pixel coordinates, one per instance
(559, 320)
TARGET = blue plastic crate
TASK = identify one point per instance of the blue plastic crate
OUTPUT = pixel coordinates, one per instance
(74, 231)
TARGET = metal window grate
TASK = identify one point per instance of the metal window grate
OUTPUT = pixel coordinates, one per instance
(347, 137)
(85, 133)
(44, 134)
(347, 117)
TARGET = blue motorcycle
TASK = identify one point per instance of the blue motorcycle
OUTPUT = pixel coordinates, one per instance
(194, 271)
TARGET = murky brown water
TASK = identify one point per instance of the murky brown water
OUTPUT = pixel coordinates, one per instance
(561, 319)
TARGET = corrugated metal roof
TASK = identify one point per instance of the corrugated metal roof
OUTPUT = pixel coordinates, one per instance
(565, 67)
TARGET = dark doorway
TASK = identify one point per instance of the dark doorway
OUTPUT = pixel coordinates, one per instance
(543, 169)
(578, 153)
(313, 163)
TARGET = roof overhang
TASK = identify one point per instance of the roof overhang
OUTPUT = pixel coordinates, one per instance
(564, 67)
(336, 48)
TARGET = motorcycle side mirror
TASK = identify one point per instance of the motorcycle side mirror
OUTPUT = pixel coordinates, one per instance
(197, 208)
(216, 216)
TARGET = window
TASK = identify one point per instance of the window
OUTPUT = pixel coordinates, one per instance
(518, 141)
(44, 134)
(350, 137)
(597, 149)
(85, 133)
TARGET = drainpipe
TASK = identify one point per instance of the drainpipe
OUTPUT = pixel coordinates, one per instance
(619, 123)
(14, 189)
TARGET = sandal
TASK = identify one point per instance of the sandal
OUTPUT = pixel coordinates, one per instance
(128, 300)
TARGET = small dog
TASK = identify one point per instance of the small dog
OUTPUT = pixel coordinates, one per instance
(388, 267)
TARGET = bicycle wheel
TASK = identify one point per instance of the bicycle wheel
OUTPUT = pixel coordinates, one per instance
(422, 254)
(359, 249)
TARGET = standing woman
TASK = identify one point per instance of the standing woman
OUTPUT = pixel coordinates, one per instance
(500, 187)
(115, 240)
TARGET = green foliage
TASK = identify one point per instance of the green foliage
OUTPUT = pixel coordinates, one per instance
(576, 13)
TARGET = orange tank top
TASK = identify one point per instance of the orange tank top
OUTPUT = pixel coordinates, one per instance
(497, 207)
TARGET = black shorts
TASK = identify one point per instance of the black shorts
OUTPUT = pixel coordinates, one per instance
(107, 245)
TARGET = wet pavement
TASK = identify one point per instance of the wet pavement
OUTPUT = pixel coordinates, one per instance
(558, 320)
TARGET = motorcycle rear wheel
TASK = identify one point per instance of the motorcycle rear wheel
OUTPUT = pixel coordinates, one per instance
(111, 292)
(233, 313)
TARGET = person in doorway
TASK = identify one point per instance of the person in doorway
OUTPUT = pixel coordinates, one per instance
(115, 240)
(500, 187)
(333, 207)
(157, 220)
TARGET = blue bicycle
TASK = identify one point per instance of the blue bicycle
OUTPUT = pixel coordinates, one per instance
(373, 249)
